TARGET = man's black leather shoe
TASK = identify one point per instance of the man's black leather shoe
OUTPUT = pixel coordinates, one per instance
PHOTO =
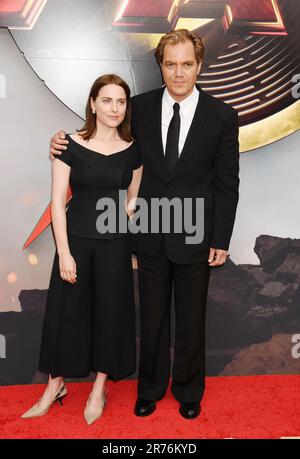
(144, 407)
(190, 410)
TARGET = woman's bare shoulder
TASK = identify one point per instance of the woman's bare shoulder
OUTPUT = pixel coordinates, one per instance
(77, 135)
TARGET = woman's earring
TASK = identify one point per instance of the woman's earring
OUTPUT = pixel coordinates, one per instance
(94, 111)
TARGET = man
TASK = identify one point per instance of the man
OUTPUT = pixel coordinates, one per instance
(189, 144)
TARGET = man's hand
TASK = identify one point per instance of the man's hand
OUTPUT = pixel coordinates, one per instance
(217, 257)
(57, 144)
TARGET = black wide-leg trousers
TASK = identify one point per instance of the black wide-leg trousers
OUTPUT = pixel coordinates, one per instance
(90, 325)
(157, 274)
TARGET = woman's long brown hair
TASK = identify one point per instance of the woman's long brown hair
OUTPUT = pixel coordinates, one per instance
(90, 126)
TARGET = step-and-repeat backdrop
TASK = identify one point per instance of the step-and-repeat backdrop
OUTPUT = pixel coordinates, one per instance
(50, 53)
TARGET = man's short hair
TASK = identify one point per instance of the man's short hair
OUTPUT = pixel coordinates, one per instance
(177, 36)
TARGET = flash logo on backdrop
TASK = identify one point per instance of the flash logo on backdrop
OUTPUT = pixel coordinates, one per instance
(255, 16)
(252, 55)
(252, 50)
(20, 14)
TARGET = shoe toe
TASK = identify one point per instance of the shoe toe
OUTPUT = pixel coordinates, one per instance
(144, 407)
(190, 411)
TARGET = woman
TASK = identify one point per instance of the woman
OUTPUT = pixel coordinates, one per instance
(89, 322)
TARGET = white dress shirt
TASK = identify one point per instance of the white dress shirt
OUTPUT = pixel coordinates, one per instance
(186, 112)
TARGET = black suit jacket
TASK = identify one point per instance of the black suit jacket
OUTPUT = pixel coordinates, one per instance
(208, 167)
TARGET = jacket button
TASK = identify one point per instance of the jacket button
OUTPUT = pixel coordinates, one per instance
(169, 184)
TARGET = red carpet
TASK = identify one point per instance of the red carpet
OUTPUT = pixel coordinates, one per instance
(233, 407)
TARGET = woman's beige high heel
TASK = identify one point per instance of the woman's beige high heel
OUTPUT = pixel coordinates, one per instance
(91, 415)
(35, 411)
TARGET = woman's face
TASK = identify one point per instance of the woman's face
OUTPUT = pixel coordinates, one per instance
(110, 105)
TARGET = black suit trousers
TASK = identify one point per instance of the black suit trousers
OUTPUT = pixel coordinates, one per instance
(157, 275)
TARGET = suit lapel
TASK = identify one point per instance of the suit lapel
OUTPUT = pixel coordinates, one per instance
(159, 158)
(195, 134)
(193, 140)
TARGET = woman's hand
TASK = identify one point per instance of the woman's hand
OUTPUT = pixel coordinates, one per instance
(67, 268)
(130, 207)
(130, 213)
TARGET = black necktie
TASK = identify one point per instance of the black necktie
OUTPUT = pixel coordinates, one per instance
(172, 151)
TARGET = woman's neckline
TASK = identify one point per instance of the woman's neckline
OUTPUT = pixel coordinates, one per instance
(99, 153)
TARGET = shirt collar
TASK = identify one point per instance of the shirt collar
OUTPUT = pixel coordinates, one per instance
(185, 105)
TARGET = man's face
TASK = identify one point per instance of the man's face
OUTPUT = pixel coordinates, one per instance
(180, 69)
